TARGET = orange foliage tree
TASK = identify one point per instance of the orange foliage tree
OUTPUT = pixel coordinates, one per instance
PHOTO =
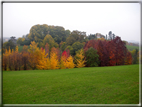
(128, 59)
(16, 59)
(5, 60)
(10, 59)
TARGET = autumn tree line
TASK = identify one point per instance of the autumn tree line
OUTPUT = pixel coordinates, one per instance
(35, 58)
(53, 47)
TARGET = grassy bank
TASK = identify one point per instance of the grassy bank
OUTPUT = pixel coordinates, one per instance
(129, 47)
(94, 85)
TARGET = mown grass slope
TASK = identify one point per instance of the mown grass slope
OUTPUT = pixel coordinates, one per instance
(93, 85)
(130, 48)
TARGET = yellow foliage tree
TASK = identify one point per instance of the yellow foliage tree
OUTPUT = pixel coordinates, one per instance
(44, 62)
(7, 60)
(16, 49)
(63, 62)
(54, 63)
(34, 55)
(69, 62)
(80, 59)
(15, 58)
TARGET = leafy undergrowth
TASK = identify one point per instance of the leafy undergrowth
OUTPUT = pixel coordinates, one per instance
(93, 85)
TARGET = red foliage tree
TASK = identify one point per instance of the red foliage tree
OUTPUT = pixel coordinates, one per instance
(66, 53)
(102, 52)
(100, 46)
(120, 51)
(110, 53)
(92, 43)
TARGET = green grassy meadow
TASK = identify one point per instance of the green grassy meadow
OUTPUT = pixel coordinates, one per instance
(130, 48)
(92, 85)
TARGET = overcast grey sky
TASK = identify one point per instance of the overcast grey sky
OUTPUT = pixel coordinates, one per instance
(123, 19)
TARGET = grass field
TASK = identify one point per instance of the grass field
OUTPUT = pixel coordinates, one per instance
(129, 47)
(94, 85)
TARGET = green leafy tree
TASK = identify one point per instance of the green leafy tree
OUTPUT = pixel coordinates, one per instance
(70, 49)
(77, 46)
(8, 44)
(134, 56)
(38, 33)
(76, 36)
(62, 46)
(48, 39)
(92, 58)
(92, 36)
(20, 41)
(67, 32)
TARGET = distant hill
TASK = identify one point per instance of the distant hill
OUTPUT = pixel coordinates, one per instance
(133, 41)
(130, 48)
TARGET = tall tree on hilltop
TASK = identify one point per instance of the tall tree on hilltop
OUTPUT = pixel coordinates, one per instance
(76, 36)
(38, 33)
